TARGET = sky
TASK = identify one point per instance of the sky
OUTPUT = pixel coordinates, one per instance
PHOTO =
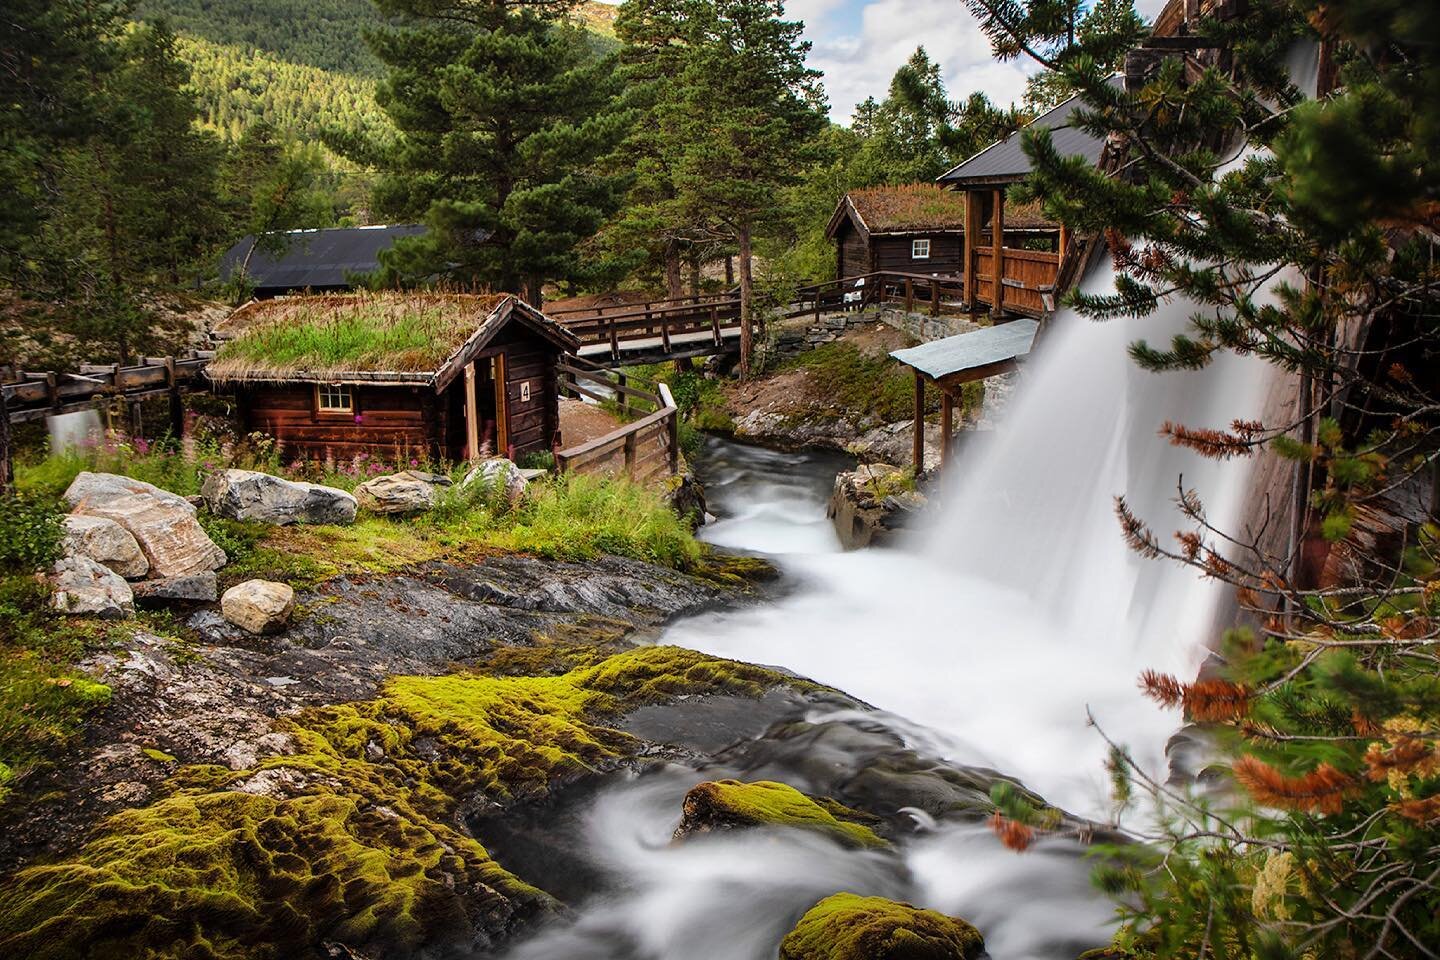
(859, 44)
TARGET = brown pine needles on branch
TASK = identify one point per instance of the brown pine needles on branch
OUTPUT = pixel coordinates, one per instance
(1322, 790)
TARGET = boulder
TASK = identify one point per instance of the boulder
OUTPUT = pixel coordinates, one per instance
(105, 541)
(410, 491)
(174, 543)
(90, 487)
(721, 805)
(498, 474)
(871, 503)
(847, 926)
(686, 496)
(258, 606)
(195, 587)
(86, 588)
(251, 495)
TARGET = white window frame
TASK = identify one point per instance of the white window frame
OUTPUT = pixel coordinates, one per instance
(920, 249)
(329, 396)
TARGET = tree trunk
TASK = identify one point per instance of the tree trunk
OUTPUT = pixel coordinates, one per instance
(674, 286)
(535, 292)
(694, 272)
(729, 270)
(747, 303)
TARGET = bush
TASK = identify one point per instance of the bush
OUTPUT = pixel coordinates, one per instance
(30, 532)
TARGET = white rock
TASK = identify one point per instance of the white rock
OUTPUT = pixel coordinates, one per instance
(173, 541)
(498, 473)
(105, 541)
(251, 495)
(258, 606)
(89, 486)
(408, 492)
(84, 587)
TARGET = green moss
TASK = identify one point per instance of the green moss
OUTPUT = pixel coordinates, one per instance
(850, 927)
(337, 842)
(768, 803)
(159, 756)
(732, 570)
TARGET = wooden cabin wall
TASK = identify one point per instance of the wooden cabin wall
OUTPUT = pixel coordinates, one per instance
(531, 424)
(391, 422)
(854, 256)
(892, 253)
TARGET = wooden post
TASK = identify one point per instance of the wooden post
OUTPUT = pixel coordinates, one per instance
(672, 428)
(614, 341)
(502, 407)
(934, 297)
(715, 324)
(621, 395)
(972, 236)
(909, 295)
(177, 405)
(1064, 239)
(630, 453)
(472, 415)
(947, 408)
(997, 245)
(7, 455)
(917, 447)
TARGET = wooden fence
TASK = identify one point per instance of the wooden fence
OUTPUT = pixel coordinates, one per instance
(643, 448)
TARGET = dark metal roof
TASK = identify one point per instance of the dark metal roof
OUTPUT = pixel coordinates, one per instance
(1004, 161)
(316, 259)
(967, 351)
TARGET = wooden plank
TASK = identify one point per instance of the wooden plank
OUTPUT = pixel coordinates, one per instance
(946, 426)
(472, 415)
(917, 444)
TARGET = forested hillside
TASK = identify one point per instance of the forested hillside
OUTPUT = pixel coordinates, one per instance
(238, 87)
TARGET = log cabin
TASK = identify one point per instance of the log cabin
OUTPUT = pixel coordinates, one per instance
(911, 228)
(439, 377)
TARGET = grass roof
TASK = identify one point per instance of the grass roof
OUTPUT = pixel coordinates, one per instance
(327, 337)
(910, 206)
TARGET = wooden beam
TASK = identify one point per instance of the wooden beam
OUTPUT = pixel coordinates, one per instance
(947, 406)
(972, 234)
(472, 415)
(502, 408)
(975, 373)
(997, 246)
(917, 446)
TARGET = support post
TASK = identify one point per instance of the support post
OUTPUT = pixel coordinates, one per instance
(630, 454)
(909, 295)
(621, 395)
(947, 409)
(934, 297)
(1064, 240)
(472, 415)
(917, 446)
(177, 405)
(997, 245)
(972, 237)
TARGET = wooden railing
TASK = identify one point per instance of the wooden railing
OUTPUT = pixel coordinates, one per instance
(643, 448)
(1027, 280)
(34, 396)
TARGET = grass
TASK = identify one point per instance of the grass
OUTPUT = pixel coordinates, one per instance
(361, 332)
(855, 384)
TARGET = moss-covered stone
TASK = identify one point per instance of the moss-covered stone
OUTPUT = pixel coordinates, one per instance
(850, 927)
(734, 804)
(351, 838)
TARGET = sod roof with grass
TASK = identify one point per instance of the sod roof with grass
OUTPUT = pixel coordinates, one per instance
(401, 337)
(922, 207)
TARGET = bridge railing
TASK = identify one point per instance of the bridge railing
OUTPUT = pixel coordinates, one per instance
(642, 449)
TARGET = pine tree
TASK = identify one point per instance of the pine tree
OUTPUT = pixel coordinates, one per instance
(1321, 231)
(744, 110)
(503, 114)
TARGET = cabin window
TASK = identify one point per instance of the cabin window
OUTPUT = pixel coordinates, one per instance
(335, 398)
(919, 249)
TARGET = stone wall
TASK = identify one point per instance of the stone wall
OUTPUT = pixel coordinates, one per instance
(799, 337)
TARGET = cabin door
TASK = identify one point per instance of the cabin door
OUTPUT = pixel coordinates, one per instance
(485, 428)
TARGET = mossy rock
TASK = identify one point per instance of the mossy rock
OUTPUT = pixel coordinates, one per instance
(850, 927)
(734, 804)
(352, 838)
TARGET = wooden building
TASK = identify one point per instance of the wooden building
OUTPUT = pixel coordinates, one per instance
(399, 376)
(912, 228)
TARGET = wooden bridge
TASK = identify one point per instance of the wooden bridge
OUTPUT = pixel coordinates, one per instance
(708, 324)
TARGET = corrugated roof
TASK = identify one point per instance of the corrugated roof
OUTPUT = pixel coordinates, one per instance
(1005, 160)
(316, 259)
(967, 351)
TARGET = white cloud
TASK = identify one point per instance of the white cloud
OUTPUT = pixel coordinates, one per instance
(861, 54)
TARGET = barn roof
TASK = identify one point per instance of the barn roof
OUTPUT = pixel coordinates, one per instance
(904, 208)
(941, 359)
(316, 259)
(385, 337)
(1004, 161)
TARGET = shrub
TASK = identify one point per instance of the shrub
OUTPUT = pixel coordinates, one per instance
(30, 532)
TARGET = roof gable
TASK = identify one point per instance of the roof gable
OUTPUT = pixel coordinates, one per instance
(316, 259)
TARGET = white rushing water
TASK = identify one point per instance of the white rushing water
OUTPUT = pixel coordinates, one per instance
(984, 642)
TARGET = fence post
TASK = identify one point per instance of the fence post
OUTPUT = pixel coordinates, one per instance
(672, 428)
(909, 295)
(621, 395)
(614, 341)
(715, 323)
(7, 459)
(177, 405)
(630, 453)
